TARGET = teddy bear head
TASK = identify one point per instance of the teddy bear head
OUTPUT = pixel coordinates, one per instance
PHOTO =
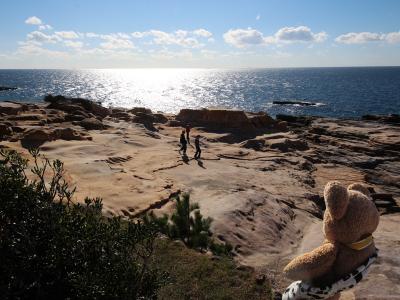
(350, 214)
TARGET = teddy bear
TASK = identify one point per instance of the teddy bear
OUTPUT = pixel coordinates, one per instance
(344, 257)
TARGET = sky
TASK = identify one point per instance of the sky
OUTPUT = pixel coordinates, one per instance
(199, 34)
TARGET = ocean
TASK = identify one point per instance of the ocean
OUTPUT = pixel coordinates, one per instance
(334, 92)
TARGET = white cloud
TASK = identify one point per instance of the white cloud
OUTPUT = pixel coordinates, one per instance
(203, 33)
(138, 34)
(299, 34)
(92, 35)
(115, 42)
(31, 49)
(45, 27)
(33, 21)
(40, 37)
(179, 37)
(258, 17)
(67, 34)
(73, 44)
(182, 38)
(122, 35)
(366, 37)
(241, 38)
(393, 37)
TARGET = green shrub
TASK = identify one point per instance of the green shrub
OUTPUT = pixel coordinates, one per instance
(51, 248)
(188, 224)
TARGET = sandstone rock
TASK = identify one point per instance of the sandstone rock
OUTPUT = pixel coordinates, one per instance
(71, 117)
(36, 137)
(286, 145)
(56, 118)
(18, 129)
(5, 130)
(281, 125)
(160, 118)
(145, 119)
(391, 119)
(140, 110)
(26, 117)
(121, 115)
(255, 144)
(174, 123)
(92, 124)
(73, 105)
(295, 120)
(220, 118)
(68, 134)
(260, 120)
(11, 108)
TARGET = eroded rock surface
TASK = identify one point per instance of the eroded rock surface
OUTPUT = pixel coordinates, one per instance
(263, 187)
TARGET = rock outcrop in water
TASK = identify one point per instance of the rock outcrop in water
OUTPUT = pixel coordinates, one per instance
(6, 88)
(300, 103)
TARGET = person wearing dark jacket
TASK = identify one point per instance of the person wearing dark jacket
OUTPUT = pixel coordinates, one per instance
(197, 145)
(187, 133)
(183, 142)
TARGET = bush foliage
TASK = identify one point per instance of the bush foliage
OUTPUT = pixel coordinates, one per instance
(51, 248)
(188, 224)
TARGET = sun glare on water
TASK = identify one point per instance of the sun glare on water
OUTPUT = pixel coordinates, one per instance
(162, 89)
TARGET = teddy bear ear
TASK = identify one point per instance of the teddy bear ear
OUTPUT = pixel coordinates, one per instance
(359, 187)
(336, 199)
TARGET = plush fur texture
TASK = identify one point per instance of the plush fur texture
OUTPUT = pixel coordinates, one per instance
(350, 216)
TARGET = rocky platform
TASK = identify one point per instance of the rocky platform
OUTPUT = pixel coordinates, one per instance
(262, 186)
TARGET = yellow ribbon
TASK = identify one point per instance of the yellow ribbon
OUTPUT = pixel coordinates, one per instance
(361, 244)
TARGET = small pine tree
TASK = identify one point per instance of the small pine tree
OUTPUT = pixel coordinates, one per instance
(188, 224)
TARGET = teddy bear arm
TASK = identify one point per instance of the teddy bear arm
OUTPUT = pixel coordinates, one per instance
(312, 264)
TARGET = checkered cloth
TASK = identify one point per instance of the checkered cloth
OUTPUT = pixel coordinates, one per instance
(301, 290)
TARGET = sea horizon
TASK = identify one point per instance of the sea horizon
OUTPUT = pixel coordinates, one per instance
(342, 92)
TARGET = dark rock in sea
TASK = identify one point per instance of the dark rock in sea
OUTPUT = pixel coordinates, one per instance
(76, 105)
(301, 103)
(92, 124)
(6, 88)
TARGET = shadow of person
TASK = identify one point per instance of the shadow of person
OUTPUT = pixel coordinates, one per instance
(200, 163)
(185, 158)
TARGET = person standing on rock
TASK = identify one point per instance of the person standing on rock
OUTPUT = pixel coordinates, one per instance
(197, 145)
(183, 143)
(187, 133)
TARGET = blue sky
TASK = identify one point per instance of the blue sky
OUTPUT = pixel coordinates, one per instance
(265, 33)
